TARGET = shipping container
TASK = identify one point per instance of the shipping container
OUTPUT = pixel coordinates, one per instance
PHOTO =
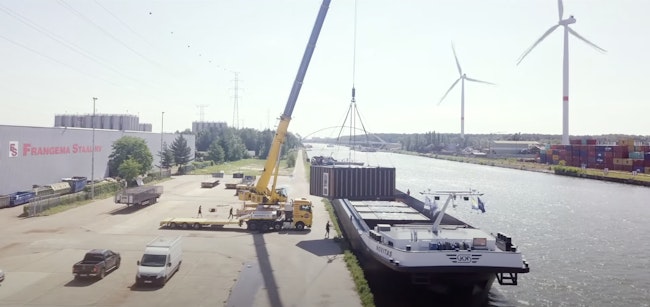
(354, 183)
(636, 155)
(5, 201)
(623, 162)
(77, 183)
(20, 198)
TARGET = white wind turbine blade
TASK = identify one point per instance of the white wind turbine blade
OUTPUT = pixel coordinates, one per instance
(449, 90)
(521, 58)
(560, 9)
(585, 40)
(460, 71)
(479, 81)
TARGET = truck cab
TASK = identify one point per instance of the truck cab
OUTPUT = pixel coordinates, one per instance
(299, 213)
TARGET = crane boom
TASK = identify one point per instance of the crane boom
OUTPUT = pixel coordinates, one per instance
(261, 192)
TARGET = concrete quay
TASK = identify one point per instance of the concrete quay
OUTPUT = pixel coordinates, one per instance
(228, 267)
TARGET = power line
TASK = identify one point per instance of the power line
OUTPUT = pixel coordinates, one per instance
(62, 41)
(55, 60)
(124, 24)
(88, 20)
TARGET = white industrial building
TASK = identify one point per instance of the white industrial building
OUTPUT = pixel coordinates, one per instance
(44, 155)
(511, 147)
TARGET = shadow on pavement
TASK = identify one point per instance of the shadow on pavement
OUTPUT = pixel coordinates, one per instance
(81, 282)
(126, 210)
(322, 247)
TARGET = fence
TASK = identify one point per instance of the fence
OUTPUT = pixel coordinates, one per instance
(40, 204)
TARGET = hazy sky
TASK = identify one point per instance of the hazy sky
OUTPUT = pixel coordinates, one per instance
(179, 57)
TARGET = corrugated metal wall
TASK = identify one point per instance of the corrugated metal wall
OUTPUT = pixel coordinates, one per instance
(355, 183)
(44, 155)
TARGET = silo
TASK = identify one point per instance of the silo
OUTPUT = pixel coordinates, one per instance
(88, 121)
(106, 121)
(96, 121)
(58, 121)
(115, 122)
(136, 123)
(133, 123)
(76, 121)
(66, 121)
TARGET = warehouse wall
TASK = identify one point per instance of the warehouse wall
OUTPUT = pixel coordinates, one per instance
(44, 155)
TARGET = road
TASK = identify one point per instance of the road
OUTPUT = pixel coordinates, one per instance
(229, 267)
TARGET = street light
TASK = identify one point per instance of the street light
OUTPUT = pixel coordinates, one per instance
(162, 121)
(92, 168)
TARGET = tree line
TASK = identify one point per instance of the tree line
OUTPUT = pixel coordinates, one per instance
(130, 156)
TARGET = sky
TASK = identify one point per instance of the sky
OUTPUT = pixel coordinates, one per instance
(235, 61)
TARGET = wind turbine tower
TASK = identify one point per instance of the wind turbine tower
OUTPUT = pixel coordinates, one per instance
(565, 63)
(462, 79)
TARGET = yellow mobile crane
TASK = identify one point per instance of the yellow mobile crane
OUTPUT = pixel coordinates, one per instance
(297, 213)
(271, 209)
(261, 193)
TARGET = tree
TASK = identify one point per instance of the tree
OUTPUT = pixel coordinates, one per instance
(182, 152)
(291, 159)
(166, 157)
(129, 169)
(129, 147)
(216, 154)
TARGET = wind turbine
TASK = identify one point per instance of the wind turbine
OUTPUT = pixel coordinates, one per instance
(462, 79)
(565, 69)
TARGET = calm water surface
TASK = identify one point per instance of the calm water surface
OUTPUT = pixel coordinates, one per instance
(587, 241)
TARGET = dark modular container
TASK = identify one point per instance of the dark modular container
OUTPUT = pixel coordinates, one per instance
(354, 183)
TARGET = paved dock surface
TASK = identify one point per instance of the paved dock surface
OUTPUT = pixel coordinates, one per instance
(228, 267)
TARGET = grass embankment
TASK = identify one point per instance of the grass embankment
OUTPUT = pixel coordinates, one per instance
(250, 167)
(591, 173)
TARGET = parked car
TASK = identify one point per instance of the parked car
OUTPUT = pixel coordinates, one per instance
(2, 275)
(97, 263)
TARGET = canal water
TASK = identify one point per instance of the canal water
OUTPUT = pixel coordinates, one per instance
(587, 241)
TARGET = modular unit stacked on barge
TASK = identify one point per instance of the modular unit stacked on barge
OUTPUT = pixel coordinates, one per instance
(403, 234)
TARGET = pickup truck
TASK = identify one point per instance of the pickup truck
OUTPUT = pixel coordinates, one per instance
(97, 263)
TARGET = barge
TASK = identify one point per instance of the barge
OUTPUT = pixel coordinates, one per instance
(435, 249)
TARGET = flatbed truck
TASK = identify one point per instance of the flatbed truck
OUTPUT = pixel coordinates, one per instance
(142, 195)
(296, 215)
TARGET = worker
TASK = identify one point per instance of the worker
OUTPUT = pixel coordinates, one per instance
(327, 229)
(408, 192)
(199, 214)
(230, 215)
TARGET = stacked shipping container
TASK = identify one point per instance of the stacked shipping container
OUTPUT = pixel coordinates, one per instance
(624, 156)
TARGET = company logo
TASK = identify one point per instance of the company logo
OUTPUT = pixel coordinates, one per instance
(464, 258)
(13, 149)
(29, 149)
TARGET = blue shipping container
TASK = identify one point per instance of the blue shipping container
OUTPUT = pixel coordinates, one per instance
(20, 198)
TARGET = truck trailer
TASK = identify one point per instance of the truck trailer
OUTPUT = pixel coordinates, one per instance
(295, 215)
(142, 195)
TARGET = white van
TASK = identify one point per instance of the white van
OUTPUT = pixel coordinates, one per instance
(161, 259)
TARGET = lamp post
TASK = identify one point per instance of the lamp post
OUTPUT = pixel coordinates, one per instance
(92, 168)
(162, 121)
